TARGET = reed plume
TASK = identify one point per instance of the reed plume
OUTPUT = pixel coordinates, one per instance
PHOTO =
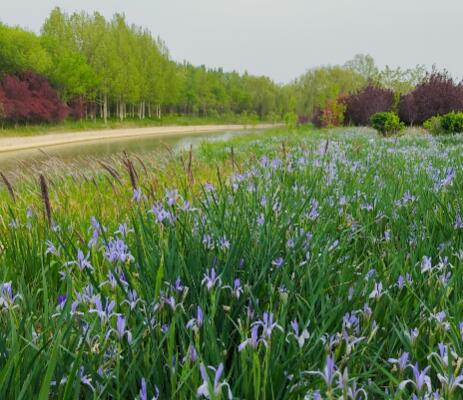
(8, 185)
(45, 198)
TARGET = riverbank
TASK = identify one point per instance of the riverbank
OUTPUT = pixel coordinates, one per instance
(17, 143)
(70, 125)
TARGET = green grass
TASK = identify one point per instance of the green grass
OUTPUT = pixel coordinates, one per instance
(115, 123)
(318, 226)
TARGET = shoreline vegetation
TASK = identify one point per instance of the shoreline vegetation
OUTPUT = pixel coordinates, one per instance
(66, 126)
(18, 143)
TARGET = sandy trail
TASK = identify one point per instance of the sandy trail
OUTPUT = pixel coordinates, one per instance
(8, 144)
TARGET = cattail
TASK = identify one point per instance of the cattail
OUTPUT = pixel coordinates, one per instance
(80, 237)
(8, 185)
(219, 175)
(44, 152)
(169, 150)
(112, 171)
(142, 163)
(45, 198)
(131, 169)
(132, 174)
(232, 156)
(111, 183)
(326, 147)
(190, 163)
(283, 149)
(153, 186)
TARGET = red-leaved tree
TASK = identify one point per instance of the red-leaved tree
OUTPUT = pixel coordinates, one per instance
(362, 105)
(438, 94)
(77, 108)
(28, 97)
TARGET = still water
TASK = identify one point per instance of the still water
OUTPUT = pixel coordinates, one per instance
(109, 147)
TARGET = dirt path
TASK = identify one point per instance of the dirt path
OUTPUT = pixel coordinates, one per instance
(8, 144)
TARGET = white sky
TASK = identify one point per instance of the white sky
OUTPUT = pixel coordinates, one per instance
(282, 38)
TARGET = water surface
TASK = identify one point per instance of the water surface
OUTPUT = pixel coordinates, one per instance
(80, 152)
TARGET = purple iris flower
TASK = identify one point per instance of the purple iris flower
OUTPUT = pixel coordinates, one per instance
(442, 355)
(208, 242)
(211, 279)
(132, 299)
(420, 380)
(224, 243)
(313, 213)
(137, 195)
(82, 261)
(144, 392)
(104, 312)
(186, 206)
(209, 187)
(377, 291)
(95, 224)
(253, 341)
(458, 221)
(51, 248)
(329, 372)
(237, 288)
(192, 353)
(278, 262)
(94, 239)
(123, 230)
(204, 389)
(300, 337)
(120, 330)
(178, 286)
(172, 196)
(426, 264)
(198, 321)
(160, 213)
(400, 282)
(268, 325)
(401, 362)
(62, 301)
(116, 250)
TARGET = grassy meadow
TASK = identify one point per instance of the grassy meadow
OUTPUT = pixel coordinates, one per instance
(290, 264)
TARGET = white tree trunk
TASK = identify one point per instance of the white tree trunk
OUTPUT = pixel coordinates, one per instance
(105, 109)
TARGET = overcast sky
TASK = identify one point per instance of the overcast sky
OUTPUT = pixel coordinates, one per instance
(282, 38)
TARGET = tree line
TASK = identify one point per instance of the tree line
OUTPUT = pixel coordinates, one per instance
(86, 66)
(109, 68)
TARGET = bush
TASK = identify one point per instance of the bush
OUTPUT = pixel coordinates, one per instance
(331, 115)
(290, 119)
(438, 94)
(452, 122)
(362, 105)
(303, 120)
(434, 125)
(386, 123)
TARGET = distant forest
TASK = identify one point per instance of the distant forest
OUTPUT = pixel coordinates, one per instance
(85, 66)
